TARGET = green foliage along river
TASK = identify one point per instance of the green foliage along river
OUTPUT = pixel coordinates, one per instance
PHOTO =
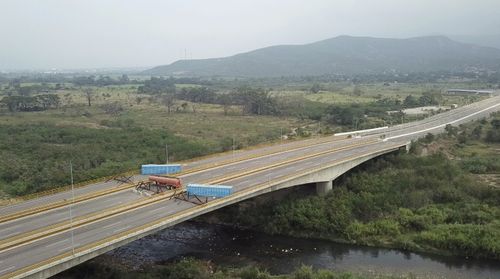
(437, 203)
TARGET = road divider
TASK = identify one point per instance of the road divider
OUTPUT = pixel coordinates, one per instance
(126, 186)
(31, 236)
(176, 218)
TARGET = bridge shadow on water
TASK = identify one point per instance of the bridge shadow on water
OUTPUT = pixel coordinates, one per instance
(228, 246)
(206, 239)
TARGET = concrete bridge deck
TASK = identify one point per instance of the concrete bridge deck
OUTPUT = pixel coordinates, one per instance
(40, 245)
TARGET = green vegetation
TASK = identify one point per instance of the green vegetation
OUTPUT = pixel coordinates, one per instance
(434, 203)
(48, 120)
(36, 157)
(27, 103)
(193, 269)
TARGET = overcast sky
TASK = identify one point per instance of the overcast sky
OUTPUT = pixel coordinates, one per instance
(36, 34)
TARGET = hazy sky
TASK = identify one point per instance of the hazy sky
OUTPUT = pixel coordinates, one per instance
(127, 33)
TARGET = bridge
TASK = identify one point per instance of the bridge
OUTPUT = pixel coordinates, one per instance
(46, 235)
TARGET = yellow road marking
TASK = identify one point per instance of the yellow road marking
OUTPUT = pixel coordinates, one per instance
(94, 195)
(44, 232)
(175, 217)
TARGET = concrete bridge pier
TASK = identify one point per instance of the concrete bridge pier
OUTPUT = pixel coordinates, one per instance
(322, 188)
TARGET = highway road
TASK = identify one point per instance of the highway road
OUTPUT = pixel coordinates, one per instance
(56, 244)
(34, 222)
(244, 170)
(202, 164)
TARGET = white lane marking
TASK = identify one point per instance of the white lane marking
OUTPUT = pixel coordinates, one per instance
(444, 125)
(121, 229)
(110, 225)
(56, 243)
(63, 249)
(69, 247)
(7, 269)
(9, 235)
(158, 209)
(11, 227)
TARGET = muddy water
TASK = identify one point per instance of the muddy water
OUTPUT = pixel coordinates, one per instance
(228, 246)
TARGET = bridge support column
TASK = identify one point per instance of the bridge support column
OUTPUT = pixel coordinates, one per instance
(322, 188)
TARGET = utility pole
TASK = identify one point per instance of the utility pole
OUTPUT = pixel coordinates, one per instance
(166, 152)
(71, 208)
(281, 138)
(233, 147)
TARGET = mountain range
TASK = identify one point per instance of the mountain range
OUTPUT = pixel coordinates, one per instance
(345, 55)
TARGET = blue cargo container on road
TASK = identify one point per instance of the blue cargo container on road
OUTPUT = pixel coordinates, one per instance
(160, 169)
(204, 190)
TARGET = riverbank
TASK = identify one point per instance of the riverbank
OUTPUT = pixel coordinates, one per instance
(227, 248)
(190, 268)
(431, 200)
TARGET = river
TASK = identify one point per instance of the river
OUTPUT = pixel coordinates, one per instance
(228, 246)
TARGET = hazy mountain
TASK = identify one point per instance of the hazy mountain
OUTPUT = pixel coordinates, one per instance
(343, 55)
(483, 40)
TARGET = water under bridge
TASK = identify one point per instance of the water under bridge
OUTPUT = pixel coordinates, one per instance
(39, 238)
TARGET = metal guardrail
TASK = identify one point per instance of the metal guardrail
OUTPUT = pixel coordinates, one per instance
(361, 131)
(177, 217)
(64, 188)
(93, 195)
(31, 236)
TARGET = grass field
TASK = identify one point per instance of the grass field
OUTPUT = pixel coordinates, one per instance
(208, 123)
(344, 93)
(197, 128)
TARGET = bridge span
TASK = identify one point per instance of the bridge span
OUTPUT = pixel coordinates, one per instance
(39, 238)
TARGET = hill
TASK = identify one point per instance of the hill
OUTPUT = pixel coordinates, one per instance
(343, 55)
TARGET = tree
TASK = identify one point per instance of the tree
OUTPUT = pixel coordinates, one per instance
(184, 106)
(477, 131)
(451, 131)
(88, 94)
(138, 100)
(124, 79)
(157, 86)
(429, 137)
(48, 100)
(168, 100)
(356, 91)
(315, 88)
(28, 103)
(255, 101)
(348, 116)
(226, 102)
(429, 99)
(462, 137)
(25, 90)
(84, 80)
(410, 102)
(112, 108)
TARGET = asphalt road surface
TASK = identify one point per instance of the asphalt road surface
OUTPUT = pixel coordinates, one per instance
(28, 254)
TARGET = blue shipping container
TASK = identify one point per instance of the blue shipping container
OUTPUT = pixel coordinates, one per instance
(160, 169)
(216, 191)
